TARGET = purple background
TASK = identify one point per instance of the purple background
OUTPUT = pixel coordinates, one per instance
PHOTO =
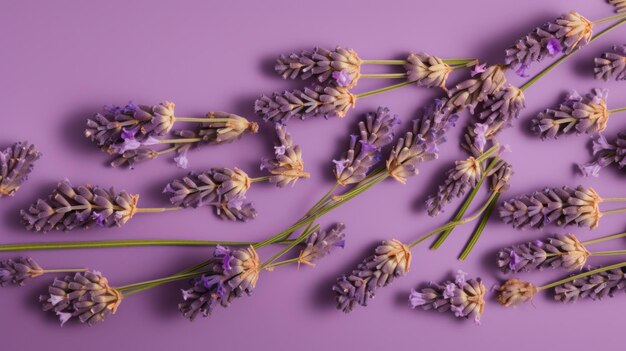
(62, 60)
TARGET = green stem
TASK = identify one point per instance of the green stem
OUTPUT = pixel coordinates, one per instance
(157, 209)
(384, 75)
(608, 19)
(481, 226)
(62, 270)
(180, 141)
(382, 90)
(485, 155)
(321, 201)
(283, 263)
(608, 253)
(617, 110)
(557, 62)
(581, 275)
(384, 62)
(297, 241)
(604, 238)
(173, 148)
(160, 281)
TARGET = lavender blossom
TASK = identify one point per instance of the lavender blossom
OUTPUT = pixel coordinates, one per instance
(561, 206)
(233, 183)
(375, 132)
(16, 163)
(17, 271)
(318, 101)
(427, 70)
(236, 210)
(559, 251)
(611, 65)
(287, 166)
(594, 287)
(586, 114)
(475, 139)
(321, 243)
(464, 298)
(500, 176)
(233, 274)
(69, 207)
(323, 64)
(515, 292)
(620, 5)
(391, 259)
(499, 109)
(472, 91)
(131, 157)
(86, 296)
(464, 176)
(606, 153)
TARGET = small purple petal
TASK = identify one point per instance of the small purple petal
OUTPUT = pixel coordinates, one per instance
(342, 77)
(460, 278)
(554, 46)
(279, 150)
(514, 260)
(448, 291)
(478, 69)
(64, 317)
(590, 169)
(522, 70)
(367, 147)
(151, 141)
(181, 160)
(416, 298)
(340, 165)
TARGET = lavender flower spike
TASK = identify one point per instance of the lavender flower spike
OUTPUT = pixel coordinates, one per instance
(323, 64)
(465, 175)
(620, 5)
(71, 207)
(427, 70)
(375, 132)
(611, 64)
(391, 259)
(515, 292)
(86, 296)
(475, 90)
(287, 166)
(499, 109)
(225, 283)
(17, 271)
(321, 243)
(559, 251)
(594, 287)
(562, 206)
(16, 163)
(606, 153)
(464, 298)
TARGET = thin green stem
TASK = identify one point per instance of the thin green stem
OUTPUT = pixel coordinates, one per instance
(460, 61)
(309, 229)
(382, 90)
(608, 19)
(479, 230)
(464, 65)
(617, 110)
(157, 209)
(282, 263)
(582, 275)
(384, 62)
(485, 155)
(173, 148)
(384, 75)
(180, 141)
(604, 238)
(160, 281)
(259, 179)
(63, 270)
(608, 253)
(619, 210)
(321, 201)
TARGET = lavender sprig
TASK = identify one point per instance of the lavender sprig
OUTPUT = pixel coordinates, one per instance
(321, 243)
(483, 83)
(17, 271)
(287, 166)
(499, 109)
(611, 65)
(427, 70)
(16, 163)
(605, 153)
(594, 287)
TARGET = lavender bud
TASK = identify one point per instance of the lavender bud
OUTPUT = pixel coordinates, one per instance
(321, 243)
(233, 183)
(586, 114)
(16, 163)
(500, 109)
(620, 5)
(17, 271)
(287, 166)
(606, 153)
(426, 70)
(515, 292)
(500, 176)
(611, 64)
(391, 259)
(561, 206)
(464, 176)
(595, 286)
(475, 90)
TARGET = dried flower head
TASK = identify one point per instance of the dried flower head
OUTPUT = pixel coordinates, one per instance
(586, 114)
(375, 132)
(321, 243)
(561, 206)
(606, 153)
(233, 183)
(620, 5)
(71, 207)
(233, 274)
(287, 166)
(499, 109)
(86, 296)
(129, 158)
(500, 176)
(476, 89)
(611, 65)
(17, 271)
(462, 297)
(595, 286)
(427, 70)
(316, 101)
(118, 129)
(421, 143)
(464, 176)
(16, 163)
(559, 251)
(323, 64)
(515, 292)
(391, 259)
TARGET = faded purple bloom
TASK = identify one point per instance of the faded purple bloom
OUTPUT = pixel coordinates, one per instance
(478, 69)
(279, 150)
(321, 243)
(522, 70)
(594, 287)
(514, 261)
(553, 46)
(342, 78)
(127, 145)
(18, 271)
(340, 165)
(460, 278)
(591, 169)
(129, 133)
(448, 290)
(416, 298)
(600, 144)
(480, 131)
(181, 160)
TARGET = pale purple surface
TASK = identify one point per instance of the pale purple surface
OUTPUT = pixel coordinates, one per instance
(62, 60)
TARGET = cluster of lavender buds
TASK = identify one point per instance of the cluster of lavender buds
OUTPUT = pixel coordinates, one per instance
(611, 65)
(17, 271)
(620, 5)
(71, 207)
(86, 296)
(375, 132)
(595, 286)
(287, 166)
(427, 70)
(341, 66)
(499, 109)
(561, 206)
(321, 243)
(515, 292)
(500, 176)
(232, 274)
(16, 162)
(606, 153)
(559, 251)
(581, 114)
(464, 176)
(485, 81)
(421, 143)
(567, 33)
(462, 297)
(391, 259)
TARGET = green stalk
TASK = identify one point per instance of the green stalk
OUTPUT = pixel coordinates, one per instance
(160, 281)
(382, 90)
(481, 226)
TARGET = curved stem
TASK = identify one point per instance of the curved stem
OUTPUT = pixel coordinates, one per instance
(582, 275)
(604, 238)
(617, 110)
(382, 90)
(608, 19)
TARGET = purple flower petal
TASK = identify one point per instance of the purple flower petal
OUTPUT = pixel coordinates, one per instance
(416, 298)
(448, 291)
(342, 77)
(279, 150)
(181, 160)
(554, 46)
(460, 278)
(478, 69)
(151, 141)
(514, 260)
(340, 165)
(590, 169)
(367, 147)
(522, 70)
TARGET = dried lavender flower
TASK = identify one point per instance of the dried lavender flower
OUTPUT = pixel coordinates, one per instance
(129, 158)
(620, 5)
(606, 153)
(559, 251)
(16, 163)
(86, 296)
(567, 33)
(595, 286)
(225, 128)
(318, 101)
(515, 292)
(611, 64)
(586, 114)
(17, 271)
(500, 176)
(464, 176)
(236, 210)
(464, 298)
(427, 70)
(375, 132)
(562, 206)
(321, 243)
(71, 207)
(233, 183)
(391, 259)
(118, 129)
(323, 64)
(476, 89)
(234, 273)
(194, 190)
(287, 166)
(421, 144)
(499, 109)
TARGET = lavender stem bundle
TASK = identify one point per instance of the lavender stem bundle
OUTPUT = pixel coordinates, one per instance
(16, 163)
